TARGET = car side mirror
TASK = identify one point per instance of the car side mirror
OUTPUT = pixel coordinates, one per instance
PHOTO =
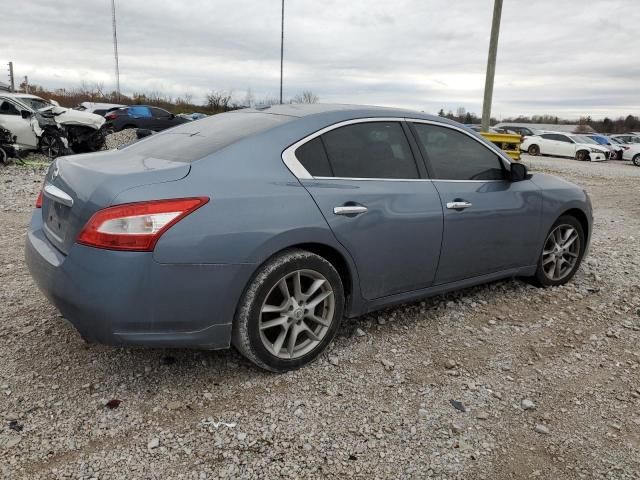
(518, 172)
(25, 114)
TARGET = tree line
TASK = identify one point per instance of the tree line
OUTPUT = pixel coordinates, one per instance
(216, 101)
(630, 123)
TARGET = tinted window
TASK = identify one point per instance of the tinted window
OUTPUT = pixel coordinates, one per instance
(454, 155)
(194, 140)
(314, 158)
(548, 136)
(7, 108)
(370, 150)
(158, 112)
(100, 112)
(563, 138)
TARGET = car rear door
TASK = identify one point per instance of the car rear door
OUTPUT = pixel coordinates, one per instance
(11, 119)
(140, 116)
(490, 223)
(365, 179)
(549, 144)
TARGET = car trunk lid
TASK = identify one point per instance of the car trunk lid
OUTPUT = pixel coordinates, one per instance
(77, 187)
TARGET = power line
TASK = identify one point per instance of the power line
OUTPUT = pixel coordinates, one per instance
(115, 46)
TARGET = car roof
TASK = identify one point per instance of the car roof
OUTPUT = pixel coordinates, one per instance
(20, 95)
(102, 105)
(338, 112)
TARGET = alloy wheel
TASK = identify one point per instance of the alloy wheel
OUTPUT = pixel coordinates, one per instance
(561, 252)
(50, 146)
(296, 314)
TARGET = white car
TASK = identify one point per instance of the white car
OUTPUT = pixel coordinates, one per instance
(571, 145)
(98, 108)
(41, 125)
(630, 151)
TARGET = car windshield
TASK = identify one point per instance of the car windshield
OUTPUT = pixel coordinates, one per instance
(600, 140)
(35, 103)
(583, 139)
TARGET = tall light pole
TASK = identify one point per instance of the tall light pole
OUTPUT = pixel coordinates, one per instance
(491, 65)
(281, 50)
(115, 46)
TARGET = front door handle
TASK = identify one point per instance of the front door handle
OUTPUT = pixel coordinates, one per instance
(349, 210)
(458, 205)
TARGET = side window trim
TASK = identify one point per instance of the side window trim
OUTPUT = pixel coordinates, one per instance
(297, 169)
(504, 162)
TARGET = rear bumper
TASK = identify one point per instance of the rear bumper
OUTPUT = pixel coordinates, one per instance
(127, 298)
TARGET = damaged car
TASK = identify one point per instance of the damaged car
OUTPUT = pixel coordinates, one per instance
(8, 148)
(45, 126)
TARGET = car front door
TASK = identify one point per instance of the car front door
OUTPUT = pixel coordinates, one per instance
(566, 146)
(373, 193)
(490, 223)
(162, 119)
(11, 119)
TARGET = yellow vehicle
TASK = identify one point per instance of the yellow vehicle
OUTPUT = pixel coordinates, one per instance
(509, 142)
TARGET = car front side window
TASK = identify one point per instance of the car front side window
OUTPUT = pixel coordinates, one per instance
(454, 155)
(370, 150)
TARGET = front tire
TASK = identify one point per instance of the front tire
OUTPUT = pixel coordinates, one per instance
(289, 312)
(582, 156)
(533, 150)
(636, 160)
(51, 145)
(562, 253)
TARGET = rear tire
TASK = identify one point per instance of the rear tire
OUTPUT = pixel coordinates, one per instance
(636, 160)
(289, 312)
(561, 253)
(533, 150)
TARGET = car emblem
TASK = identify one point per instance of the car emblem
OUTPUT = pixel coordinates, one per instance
(55, 172)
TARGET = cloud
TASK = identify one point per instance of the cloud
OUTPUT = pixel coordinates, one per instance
(563, 58)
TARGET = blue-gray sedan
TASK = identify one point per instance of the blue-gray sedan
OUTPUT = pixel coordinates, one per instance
(264, 228)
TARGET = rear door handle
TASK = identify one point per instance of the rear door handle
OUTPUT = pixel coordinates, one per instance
(349, 210)
(458, 205)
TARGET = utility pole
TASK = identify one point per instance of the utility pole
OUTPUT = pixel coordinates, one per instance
(12, 83)
(115, 46)
(491, 65)
(281, 50)
(26, 84)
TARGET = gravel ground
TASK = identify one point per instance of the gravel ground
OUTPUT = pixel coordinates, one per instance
(497, 382)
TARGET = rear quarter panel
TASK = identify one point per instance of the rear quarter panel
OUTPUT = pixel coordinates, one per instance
(257, 207)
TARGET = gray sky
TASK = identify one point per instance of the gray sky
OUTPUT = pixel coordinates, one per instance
(564, 57)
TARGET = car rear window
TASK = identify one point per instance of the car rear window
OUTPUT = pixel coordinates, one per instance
(194, 140)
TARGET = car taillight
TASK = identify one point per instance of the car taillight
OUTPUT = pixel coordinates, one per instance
(39, 200)
(111, 116)
(136, 226)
